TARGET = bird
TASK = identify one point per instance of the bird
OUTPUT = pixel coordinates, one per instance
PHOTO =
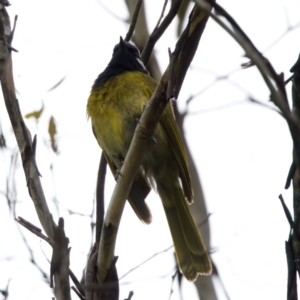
(117, 100)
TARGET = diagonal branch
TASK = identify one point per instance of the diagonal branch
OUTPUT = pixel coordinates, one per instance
(100, 196)
(275, 83)
(27, 148)
(143, 133)
(21, 132)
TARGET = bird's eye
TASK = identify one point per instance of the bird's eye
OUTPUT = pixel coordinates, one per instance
(136, 54)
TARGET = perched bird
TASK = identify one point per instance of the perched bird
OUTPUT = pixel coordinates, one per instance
(117, 100)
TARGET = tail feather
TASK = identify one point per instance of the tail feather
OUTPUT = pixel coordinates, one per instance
(190, 230)
(191, 254)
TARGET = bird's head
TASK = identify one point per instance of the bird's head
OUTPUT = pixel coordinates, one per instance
(127, 57)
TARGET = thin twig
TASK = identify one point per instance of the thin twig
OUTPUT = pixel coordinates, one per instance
(265, 68)
(100, 196)
(22, 134)
(77, 293)
(172, 283)
(286, 211)
(32, 228)
(31, 254)
(188, 44)
(37, 231)
(145, 261)
(133, 20)
(205, 220)
(77, 283)
(158, 31)
(130, 295)
(284, 34)
(161, 15)
(217, 275)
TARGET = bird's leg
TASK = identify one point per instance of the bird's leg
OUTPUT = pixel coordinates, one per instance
(120, 159)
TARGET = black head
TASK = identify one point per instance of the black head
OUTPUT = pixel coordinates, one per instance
(126, 57)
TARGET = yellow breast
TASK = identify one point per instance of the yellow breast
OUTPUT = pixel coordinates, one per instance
(114, 108)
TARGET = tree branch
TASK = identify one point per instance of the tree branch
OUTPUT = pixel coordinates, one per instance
(276, 84)
(21, 132)
(159, 30)
(133, 20)
(100, 196)
(142, 136)
(27, 148)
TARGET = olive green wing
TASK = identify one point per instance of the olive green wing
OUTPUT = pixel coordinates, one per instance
(138, 193)
(171, 130)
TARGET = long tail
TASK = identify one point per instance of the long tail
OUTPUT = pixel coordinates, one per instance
(191, 254)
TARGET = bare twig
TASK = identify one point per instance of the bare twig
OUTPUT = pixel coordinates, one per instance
(188, 44)
(22, 134)
(172, 283)
(2, 138)
(5, 292)
(158, 31)
(31, 252)
(111, 12)
(60, 258)
(145, 261)
(77, 283)
(205, 220)
(276, 85)
(141, 35)
(77, 293)
(290, 257)
(217, 275)
(27, 148)
(217, 79)
(133, 20)
(35, 230)
(278, 95)
(284, 34)
(162, 14)
(130, 295)
(286, 211)
(100, 196)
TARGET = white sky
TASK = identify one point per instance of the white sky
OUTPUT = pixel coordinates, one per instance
(243, 151)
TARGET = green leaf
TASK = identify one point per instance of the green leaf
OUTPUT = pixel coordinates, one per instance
(35, 114)
(52, 132)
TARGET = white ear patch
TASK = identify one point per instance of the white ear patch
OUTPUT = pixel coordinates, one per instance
(141, 63)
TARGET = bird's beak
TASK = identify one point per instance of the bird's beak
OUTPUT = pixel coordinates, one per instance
(122, 44)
